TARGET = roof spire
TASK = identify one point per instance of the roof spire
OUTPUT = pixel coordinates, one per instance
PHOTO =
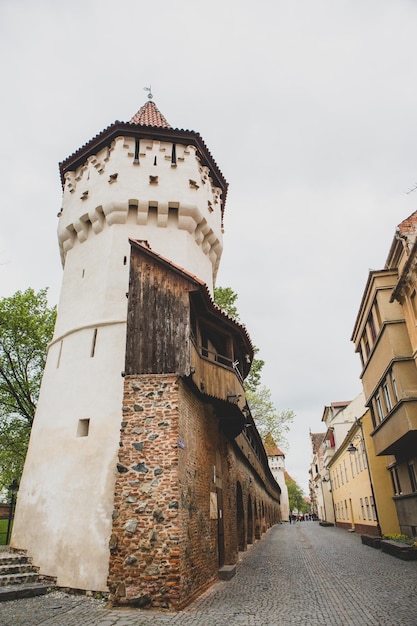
(149, 114)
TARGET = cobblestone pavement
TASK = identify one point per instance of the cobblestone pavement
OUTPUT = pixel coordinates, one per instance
(298, 574)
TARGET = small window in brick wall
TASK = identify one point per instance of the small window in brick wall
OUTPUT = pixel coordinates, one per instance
(83, 428)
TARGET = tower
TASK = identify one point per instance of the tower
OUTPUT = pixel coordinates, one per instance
(276, 460)
(142, 180)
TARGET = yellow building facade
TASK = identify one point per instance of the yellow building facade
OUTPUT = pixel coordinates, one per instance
(385, 336)
(362, 501)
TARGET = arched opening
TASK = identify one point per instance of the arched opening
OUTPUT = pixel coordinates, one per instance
(240, 514)
(250, 521)
(257, 521)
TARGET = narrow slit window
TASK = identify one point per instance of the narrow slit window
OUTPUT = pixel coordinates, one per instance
(173, 155)
(83, 428)
(137, 146)
(93, 343)
(124, 260)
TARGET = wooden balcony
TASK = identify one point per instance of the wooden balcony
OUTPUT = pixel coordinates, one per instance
(215, 376)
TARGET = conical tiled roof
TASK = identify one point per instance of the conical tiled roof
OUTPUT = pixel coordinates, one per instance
(150, 115)
(271, 447)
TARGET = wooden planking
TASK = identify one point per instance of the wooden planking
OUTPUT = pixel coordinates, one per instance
(158, 326)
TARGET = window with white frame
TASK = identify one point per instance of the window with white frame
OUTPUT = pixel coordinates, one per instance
(379, 410)
(394, 387)
(373, 507)
(395, 479)
(368, 510)
(387, 397)
(413, 476)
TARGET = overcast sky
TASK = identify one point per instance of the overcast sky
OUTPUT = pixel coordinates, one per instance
(309, 108)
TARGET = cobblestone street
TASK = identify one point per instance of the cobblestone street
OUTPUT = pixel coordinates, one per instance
(298, 574)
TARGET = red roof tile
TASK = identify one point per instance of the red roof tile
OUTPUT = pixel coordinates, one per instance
(271, 447)
(316, 441)
(408, 225)
(150, 115)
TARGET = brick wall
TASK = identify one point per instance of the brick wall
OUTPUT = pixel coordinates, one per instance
(174, 464)
(146, 542)
(4, 510)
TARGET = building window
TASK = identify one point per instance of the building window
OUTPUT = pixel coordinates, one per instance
(346, 510)
(377, 314)
(413, 299)
(356, 462)
(373, 507)
(341, 475)
(362, 509)
(412, 475)
(379, 407)
(351, 466)
(396, 486)
(83, 428)
(345, 468)
(366, 346)
(93, 343)
(368, 510)
(363, 454)
(371, 408)
(372, 327)
(394, 387)
(137, 147)
(387, 396)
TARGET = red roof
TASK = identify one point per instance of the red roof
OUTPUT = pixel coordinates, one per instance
(316, 441)
(271, 447)
(408, 225)
(150, 115)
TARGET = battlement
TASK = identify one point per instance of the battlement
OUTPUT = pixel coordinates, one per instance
(147, 184)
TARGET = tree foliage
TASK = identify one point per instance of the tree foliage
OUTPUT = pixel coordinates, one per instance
(26, 327)
(225, 298)
(266, 416)
(296, 497)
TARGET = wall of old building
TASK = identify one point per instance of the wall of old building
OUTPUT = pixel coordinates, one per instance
(175, 466)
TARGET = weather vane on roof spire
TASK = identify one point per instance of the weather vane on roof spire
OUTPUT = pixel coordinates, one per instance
(150, 96)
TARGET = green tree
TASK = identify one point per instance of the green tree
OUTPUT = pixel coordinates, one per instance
(266, 416)
(225, 298)
(296, 497)
(26, 327)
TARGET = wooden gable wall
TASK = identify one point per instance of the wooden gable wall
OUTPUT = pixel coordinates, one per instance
(158, 321)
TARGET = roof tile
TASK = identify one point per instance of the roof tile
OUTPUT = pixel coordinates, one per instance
(150, 115)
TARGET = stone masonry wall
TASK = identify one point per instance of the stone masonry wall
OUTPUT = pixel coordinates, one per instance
(163, 545)
(174, 463)
(144, 567)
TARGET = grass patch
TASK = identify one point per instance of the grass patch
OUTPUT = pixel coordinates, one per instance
(3, 531)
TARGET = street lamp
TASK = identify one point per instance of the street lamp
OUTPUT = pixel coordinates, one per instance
(13, 489)
(352, 449)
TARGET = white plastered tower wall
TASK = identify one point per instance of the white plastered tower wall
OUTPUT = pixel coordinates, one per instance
(128, 187)
(277, 465)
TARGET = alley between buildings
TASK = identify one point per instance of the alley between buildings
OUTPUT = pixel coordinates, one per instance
(299, 573)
